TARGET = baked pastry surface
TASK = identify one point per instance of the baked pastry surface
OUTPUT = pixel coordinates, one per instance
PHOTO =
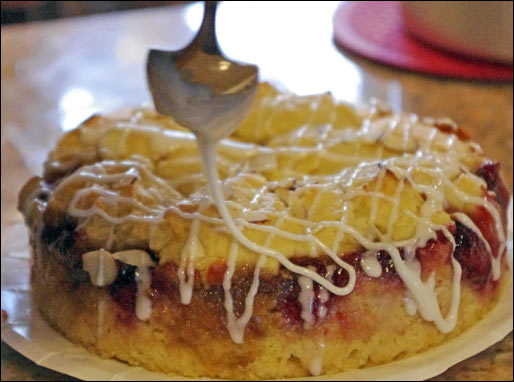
(388, 235)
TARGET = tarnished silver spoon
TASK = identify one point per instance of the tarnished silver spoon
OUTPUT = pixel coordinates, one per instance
(200, 88)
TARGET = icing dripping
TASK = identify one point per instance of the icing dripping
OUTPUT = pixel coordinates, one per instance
(370, 264)
(495, 261)
(316, 362)
(410, 305)
(143, 303)
(438, 156)
(306, 299)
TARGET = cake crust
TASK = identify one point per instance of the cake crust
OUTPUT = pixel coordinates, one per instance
(390, 231)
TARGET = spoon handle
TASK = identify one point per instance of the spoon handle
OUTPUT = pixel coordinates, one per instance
(206, 37)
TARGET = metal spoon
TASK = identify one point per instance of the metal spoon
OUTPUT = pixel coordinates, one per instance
(200, 88)
(210, 95)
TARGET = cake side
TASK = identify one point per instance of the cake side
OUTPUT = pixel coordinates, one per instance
(193, 341)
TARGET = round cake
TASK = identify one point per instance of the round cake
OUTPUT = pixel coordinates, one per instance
(385, 236)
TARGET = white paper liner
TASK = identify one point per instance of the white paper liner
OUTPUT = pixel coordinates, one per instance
(29, 334)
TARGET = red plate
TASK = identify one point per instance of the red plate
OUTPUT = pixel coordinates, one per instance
(375, 30)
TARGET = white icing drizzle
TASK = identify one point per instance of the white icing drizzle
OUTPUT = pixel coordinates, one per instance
(467, 222)
(374, 201)
(208, 151)
(316, 362)
(142, 261)
(441, 157)
(186, 271)
(370, 264)
(340, 232)
(143, 303)
(410, 305)
(101, 267)
(306, 299)
(323, 294)
(236, 326)
(307, 296)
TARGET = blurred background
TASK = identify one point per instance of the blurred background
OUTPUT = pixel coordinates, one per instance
(26, 11)
(482, 29)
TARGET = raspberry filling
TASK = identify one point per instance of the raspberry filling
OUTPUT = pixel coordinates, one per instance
(470, 251)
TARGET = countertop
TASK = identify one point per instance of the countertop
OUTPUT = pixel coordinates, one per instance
(55, 74)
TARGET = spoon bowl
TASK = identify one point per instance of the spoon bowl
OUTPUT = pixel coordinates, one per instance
(199, 87)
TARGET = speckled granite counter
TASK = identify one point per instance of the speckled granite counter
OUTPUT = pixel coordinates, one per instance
(56, 74)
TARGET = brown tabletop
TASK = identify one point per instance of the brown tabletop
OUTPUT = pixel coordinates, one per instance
(55, 74)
